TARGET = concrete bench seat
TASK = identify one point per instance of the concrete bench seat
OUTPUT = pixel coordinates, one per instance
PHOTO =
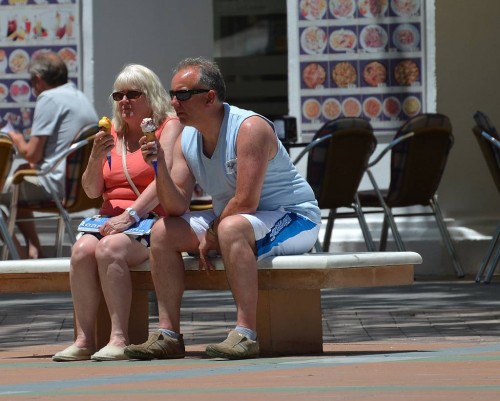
(289, 306)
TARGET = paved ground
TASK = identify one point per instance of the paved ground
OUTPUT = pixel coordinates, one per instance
(425, 311)
(429, 341)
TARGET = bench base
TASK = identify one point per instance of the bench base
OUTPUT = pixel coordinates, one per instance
(289, 322)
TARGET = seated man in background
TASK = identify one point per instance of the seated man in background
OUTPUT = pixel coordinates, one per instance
(61, 110)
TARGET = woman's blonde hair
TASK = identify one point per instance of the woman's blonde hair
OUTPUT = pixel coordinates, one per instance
(141, 78)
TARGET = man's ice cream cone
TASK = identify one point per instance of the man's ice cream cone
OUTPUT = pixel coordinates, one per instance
(149, 129)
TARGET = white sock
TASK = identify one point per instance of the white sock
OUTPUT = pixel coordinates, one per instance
(248, 333)
(170, 333)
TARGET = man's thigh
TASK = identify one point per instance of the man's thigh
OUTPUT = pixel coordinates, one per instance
(282, 233)
(183, 234)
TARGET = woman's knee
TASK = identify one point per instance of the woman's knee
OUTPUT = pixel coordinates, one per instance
(83, 249)
(112, 247)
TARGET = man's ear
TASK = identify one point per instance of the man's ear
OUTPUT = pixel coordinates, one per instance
(211, 97)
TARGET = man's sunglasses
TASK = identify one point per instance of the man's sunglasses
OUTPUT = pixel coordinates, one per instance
(185, 94)
(117, 96)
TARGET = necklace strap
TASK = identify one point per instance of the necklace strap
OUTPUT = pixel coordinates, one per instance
(124, 164)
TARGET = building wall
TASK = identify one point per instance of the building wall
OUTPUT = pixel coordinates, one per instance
(155, 33)
(468, 79)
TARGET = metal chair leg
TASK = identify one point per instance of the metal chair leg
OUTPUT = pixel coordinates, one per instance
(493, 266)
(59, 236)
(8, 243)
(446, 237)
(364, 226)
(493, 262)
(383, 235)
(328, 231)
(488, 255)
(12, 217)
(63, 224)
(64, 216)
(387, 211)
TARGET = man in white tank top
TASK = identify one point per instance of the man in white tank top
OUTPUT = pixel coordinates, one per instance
(261, 207)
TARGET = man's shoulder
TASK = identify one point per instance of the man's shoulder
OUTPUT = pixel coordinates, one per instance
(189, 131)
(66, 94)
(57, 92)
(243, 119)
(235, 110)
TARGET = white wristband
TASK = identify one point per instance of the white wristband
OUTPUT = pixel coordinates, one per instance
(133, 213)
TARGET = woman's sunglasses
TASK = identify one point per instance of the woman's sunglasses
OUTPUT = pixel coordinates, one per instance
(186, 94)
(117, 96)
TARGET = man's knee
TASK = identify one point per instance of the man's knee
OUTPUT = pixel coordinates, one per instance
(172, 234)
(235, 227)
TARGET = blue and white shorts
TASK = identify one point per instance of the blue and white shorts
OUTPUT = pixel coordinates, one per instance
(276, 232)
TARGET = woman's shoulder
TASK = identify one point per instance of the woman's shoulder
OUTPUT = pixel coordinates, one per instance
(170, 119)
(171, 124)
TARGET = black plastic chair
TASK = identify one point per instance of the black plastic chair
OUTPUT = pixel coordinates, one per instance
(419, 152)
(337, 159)
(489, 143)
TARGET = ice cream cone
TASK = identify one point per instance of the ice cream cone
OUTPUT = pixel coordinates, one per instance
(105, 125)
(149, 129)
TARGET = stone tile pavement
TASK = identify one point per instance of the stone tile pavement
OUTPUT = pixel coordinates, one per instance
(425, 311)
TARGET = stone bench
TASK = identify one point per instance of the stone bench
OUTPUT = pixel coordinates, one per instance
(289, 317)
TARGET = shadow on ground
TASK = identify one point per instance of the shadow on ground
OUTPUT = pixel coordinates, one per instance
(454, 310)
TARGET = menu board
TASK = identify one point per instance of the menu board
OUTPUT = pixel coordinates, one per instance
(26, 28)
(361, 58)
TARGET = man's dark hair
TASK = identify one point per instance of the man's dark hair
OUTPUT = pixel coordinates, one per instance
(210, 75)
(50, 67)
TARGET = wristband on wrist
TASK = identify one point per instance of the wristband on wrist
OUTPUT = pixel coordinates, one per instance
(132, 213)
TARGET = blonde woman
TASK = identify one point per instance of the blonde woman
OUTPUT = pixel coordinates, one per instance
(101, 261)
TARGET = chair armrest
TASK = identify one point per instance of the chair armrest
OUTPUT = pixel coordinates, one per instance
(6, 140)
(311, 145)
(391, 144)
(19, 175)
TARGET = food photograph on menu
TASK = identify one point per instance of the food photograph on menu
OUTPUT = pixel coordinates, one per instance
(361, 58)
(28, 27)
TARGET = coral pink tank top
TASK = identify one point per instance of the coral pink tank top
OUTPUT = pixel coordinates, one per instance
(118, 194)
